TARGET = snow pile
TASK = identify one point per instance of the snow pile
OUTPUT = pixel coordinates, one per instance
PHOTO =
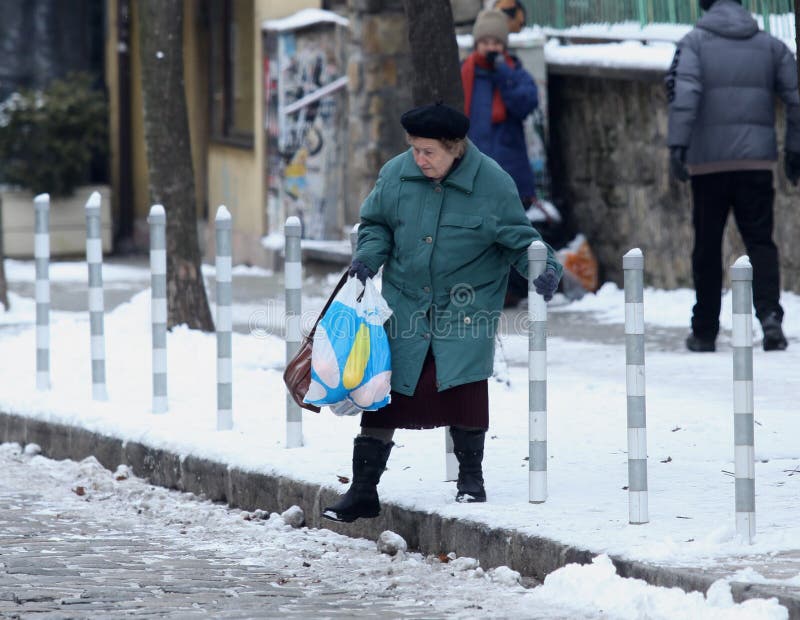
(598, 585)
(391, 543)
(294, 516)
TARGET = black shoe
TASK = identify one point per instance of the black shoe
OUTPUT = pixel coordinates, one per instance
(774, 340)
(700, 345)
(468, 448)
(361, 500)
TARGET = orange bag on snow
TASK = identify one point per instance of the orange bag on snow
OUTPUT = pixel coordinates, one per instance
(580, 261)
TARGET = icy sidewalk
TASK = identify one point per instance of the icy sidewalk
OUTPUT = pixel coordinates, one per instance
(690, 540)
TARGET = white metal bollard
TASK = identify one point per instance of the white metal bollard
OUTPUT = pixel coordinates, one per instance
(537, 378)
(354, 240)
(158, 304)
(41, 253)
(633, 268)
(94, 258)
(293, 270)
(743, 429)
(224, 320)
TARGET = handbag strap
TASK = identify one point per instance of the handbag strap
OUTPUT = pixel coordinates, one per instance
(336, 289)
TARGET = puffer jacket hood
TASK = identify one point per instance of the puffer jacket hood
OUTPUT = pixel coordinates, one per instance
(729, 19)
(721, 90)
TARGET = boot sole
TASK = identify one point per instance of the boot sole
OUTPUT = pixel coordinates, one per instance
(339, 517)
(467, 498)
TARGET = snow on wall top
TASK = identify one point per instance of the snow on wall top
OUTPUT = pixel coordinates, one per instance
(625, 55)
(304, 18)
(630, 46)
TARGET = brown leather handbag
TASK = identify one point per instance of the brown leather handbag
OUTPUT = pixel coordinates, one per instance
(297, 375)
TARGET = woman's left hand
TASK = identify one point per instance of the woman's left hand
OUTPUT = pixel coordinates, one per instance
(546, 284)
(360, 270)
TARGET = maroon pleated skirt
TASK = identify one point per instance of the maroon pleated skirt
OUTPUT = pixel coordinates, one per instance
(463, 405)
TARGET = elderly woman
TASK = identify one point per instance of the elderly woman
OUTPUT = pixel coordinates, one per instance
(445, 222)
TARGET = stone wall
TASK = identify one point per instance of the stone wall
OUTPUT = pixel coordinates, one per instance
(611, 169)
(380, 72)
(379, 65)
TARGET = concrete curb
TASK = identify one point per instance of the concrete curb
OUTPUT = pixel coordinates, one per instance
(426, 532)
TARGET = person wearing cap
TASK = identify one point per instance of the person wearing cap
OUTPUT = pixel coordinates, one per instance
(515, 11)
(445, 222)
(498, 95)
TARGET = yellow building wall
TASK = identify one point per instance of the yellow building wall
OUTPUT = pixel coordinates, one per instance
(195, 54)
(111, 77)
(237, 176)
(224, 174)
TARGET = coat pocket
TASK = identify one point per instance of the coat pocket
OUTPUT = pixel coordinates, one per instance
(460, 220)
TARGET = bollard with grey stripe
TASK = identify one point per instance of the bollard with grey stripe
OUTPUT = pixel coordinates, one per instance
(537, 378)
(293, 283)
(633, 268)
(743, 433)
(94, 258)
(158, 304)
(354, 240)
(41, 253)
(224, 320)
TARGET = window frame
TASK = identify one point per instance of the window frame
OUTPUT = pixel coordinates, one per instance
(221, 62)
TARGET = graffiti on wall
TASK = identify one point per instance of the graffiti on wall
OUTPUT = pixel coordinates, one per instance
(304, 94)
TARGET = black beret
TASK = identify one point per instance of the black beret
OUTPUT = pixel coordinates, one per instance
(437, 121)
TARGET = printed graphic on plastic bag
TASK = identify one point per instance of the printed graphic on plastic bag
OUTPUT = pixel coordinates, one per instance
(350, 357)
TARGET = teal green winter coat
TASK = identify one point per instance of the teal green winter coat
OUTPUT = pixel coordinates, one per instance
(445, 249)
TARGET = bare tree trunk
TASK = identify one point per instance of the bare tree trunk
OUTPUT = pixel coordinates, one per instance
(434, 53)
(169, 158)
(797, 36)
(3, 283)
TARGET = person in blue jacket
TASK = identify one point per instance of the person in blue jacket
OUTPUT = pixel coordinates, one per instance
(498, 95)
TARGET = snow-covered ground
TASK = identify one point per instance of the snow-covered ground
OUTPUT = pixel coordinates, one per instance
(329, 566)
(689, 412)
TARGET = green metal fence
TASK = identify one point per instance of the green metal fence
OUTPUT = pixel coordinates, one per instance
(566, 13)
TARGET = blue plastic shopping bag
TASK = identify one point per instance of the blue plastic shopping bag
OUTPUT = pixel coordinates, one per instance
(350, 357)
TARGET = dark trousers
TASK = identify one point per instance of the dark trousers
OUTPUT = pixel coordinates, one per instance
(751, 195)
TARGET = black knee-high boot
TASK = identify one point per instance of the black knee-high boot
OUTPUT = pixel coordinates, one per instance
(361, 499)
(468, 447)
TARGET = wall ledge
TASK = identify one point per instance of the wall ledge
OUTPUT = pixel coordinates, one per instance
(613, 73)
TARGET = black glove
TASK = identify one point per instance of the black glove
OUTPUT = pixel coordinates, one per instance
(546, 284)
(360, 271)
(491, 58)
(677, 163)
(791, 164)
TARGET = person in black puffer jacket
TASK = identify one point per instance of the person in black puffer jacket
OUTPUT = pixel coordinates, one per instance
(721, 89)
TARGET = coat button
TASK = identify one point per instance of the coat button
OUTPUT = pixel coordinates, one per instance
(438, 189)
(467, 320)
(428, 239)
(427, 289)
(426, 336)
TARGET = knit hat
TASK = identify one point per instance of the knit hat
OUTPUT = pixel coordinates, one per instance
(706, 4)
(491, 24)
(437, 121)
